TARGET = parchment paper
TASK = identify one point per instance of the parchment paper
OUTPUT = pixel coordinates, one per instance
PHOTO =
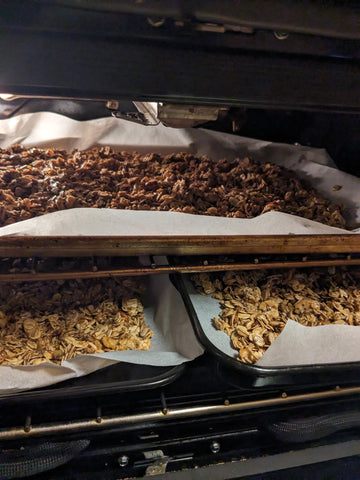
(103, 221)
(46, 129)
(296, 344)
(173, 343)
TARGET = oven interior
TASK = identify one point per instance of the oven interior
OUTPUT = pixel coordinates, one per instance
(283, 77)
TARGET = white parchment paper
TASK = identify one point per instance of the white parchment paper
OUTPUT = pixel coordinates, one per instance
(173, 343)
(51, 130)
(296, 345)
(103, 221)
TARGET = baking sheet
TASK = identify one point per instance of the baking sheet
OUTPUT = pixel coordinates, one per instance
(173, 343)
(46, 129)
(296, 344)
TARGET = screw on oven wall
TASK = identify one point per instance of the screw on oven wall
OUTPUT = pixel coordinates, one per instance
(27, 426)
(156, 21)
(215, 447)
(123, 460)
(281, 35)
(112, 104)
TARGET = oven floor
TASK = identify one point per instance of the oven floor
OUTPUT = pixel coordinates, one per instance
(344, 469)
(220, 445)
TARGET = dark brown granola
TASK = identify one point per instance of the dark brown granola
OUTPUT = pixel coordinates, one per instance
(34, 182)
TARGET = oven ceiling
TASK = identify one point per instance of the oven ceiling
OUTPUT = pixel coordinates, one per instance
(280, 54)
(337, 19)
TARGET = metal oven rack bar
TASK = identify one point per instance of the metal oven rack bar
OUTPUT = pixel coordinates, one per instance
(44, 258)
(43, 269)
(98, 422)
(177, 245)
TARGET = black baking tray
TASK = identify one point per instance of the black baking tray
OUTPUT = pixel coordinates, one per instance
(118, 378)
(233, 371)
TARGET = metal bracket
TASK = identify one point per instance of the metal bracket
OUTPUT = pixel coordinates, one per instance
(186, 116)
(146, 112)
(159, 464)
(171, 115)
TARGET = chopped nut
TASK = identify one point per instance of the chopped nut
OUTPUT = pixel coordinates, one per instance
(109, 343)
(32, 329)
(130, 306)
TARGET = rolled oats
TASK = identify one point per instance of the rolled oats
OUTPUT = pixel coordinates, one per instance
(256, 305)
(58, 320)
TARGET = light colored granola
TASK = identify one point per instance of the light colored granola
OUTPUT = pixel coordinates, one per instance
(256, 305)
(58, 320)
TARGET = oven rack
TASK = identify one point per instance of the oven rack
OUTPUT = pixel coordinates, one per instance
(167, 410)
(84, 246)
(64, 268)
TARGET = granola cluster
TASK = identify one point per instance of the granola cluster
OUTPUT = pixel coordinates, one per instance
(256, 305)
(58, 320)
(34, 182)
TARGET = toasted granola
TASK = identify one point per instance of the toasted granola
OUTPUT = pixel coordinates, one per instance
(35, 181)
(57, 320)
(256, 305)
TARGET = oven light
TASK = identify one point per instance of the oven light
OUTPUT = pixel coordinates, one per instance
(7, 96)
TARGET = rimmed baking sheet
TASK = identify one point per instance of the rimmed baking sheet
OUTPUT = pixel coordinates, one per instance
(52, 130)
(296, 346)
(173, 343)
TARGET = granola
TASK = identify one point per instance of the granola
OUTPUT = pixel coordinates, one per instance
(58, 320)
(35, 181)
(256, 305)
